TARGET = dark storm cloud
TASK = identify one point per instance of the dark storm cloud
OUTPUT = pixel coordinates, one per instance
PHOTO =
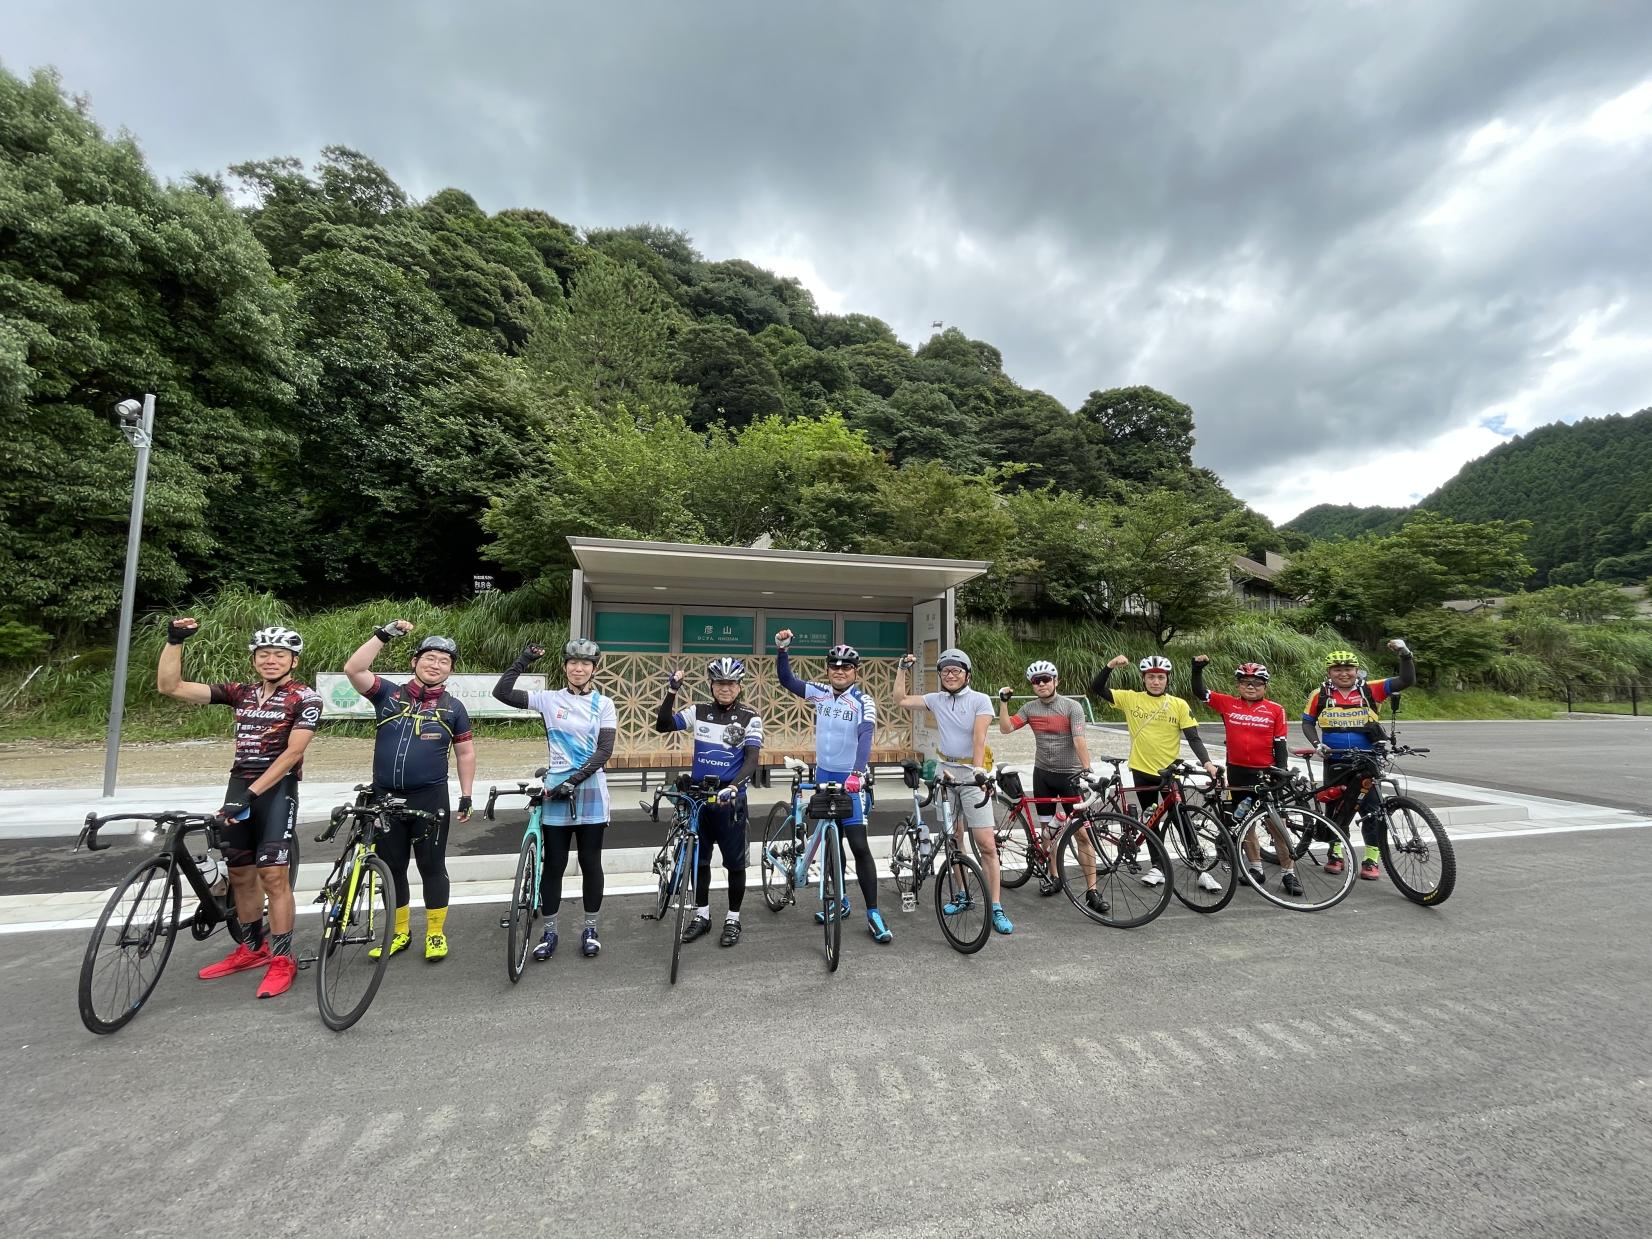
(1352, 229)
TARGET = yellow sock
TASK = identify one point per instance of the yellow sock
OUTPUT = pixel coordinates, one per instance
(434, 920)
(404, 916)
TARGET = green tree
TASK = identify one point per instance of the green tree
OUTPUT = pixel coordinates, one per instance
(1164, 563)
(1141, 432)
(731, 377)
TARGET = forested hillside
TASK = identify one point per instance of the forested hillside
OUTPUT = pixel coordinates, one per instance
(361, 394)
(1586, 487)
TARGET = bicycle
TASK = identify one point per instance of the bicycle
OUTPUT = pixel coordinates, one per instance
(530, 863)
(132, 939)
(1266, 818)
(1415, 849)
(1104, 849)
(785, 839)
(679, 856)
(959, 882)
(358, 913)
(1025, 848)
(1203, 857)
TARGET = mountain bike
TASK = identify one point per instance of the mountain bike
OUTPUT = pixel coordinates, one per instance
(358, 913)
(132, 939)
(679, 856)
(959, 883)
(530, 863)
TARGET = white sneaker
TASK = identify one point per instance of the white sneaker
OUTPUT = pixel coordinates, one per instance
(1153, 877)
(1208, 883)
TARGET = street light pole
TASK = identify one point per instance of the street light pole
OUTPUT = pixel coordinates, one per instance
(137, 423)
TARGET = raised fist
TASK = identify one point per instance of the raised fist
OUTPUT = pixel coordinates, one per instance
(1118, 660)
(182, 629)
(531, 654)
(908, 661)
(783, 638)
(1004, 694)
(1199, 660)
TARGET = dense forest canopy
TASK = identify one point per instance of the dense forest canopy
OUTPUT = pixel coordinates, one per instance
(361, 394)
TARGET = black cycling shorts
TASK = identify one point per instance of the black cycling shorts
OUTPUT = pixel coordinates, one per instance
(267, 837)
(727, 825)
(1049, 783)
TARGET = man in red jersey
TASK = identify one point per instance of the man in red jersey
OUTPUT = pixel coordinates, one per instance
(1255, 730)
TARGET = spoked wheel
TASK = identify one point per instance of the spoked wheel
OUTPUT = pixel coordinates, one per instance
(1014, 839)
(665, 861)
(524, 909)
(1309, 839)
(684, 880)
(1102, 861)
(355, 920)
(778, 857)
(903, 859)
(130, 946)
(1202, 862)
(961, 904)
(1417, 852)
(832, 859)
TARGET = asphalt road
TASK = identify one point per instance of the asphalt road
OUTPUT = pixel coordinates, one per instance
(1478, 1069)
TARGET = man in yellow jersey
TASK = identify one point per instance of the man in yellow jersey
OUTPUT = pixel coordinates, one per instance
(1158, 724)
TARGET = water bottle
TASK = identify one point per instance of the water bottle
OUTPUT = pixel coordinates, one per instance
(923, 843)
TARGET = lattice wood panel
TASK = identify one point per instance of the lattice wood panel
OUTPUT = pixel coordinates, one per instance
(636, 682)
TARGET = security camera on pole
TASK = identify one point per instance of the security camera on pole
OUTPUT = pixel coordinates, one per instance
(137, 423)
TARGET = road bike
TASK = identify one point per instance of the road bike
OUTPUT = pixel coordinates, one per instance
(1102, 859)
(679, 856)
(132, 939)
(1265, 825)
(525, 906)
(798, 830)
(358, 913)
(961, 902)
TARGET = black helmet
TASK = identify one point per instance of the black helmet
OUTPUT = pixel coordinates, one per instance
(843, 654)
(581, 648)
(442, 645)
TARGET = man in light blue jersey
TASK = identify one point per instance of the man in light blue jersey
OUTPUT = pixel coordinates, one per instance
(845, 720)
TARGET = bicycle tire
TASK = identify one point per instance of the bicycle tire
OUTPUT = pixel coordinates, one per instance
(778, 855)
(1408, 856)
(665, 867)
(524, 907)
(1313, 837)
(1200, 849)
(961, 875)
(1115, 843)
(354, 924)
(1014, 839)
(684, 879)
(129, 984)
(831, 860)
(363, 918)
(903, 856)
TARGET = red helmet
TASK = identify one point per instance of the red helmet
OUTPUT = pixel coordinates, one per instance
(1246, 671)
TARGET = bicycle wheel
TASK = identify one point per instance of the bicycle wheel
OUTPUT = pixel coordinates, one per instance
(1014, 839)
(524, 908)
(1202, 862)
(130, 945)
(903, 858)
(831, 858)
(665, 861)
(778, 856)
(1103, 854)
(1417, 852)
(357, 916)
(682, 867)
(962, 886)
(1309, 839)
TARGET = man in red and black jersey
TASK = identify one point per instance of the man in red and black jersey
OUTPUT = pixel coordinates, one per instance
(1254, 730)
(275, 716)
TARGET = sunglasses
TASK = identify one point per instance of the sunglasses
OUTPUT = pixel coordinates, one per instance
(1043, 679)
(1251, 679)
(839, 664)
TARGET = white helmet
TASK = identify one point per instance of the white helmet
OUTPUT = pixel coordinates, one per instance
(276, 637)
(1154, 662)
(954, 658)
(1041, 667)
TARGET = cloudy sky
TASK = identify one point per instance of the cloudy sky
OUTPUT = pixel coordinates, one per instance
(1365, 241)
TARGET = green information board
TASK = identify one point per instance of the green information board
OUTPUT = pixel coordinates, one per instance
(811, 634)
(877, 638)
(718, 634)
(634, 632)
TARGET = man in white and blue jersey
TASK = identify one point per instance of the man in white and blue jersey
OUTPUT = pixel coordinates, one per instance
(845, 720)
(727, 738)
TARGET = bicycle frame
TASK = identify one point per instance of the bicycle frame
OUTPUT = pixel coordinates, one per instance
(217, 908)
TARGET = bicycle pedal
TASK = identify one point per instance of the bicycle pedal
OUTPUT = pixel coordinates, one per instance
(504, 922)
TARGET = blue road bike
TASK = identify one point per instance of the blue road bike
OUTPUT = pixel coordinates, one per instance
(679, 856)
(806, 828)
(530, 863)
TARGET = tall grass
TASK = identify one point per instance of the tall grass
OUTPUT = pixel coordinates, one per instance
(69, 699)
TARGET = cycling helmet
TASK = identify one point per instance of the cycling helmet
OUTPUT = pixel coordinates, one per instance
(1252, 670)
(726, 669)
(581, 648)
(954, 658)
(1155, 662)
(1342, 658)
(843, 654)
(278, 638)
(442, 645)
(1041, 667)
